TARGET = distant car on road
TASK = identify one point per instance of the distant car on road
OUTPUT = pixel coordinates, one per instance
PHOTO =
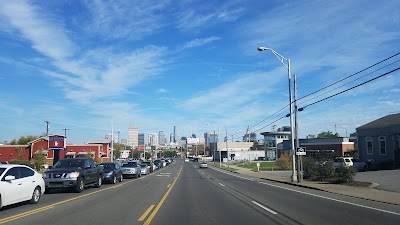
(360, 165)
(112, 172)
(203, 165)
(19, 183)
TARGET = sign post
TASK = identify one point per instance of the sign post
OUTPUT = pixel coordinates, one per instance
(300, 151)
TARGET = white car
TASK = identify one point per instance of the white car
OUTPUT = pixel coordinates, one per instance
(19, 183)
(203, 165)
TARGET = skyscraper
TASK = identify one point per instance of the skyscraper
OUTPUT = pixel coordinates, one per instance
(152, 139)
(141, 139)
(133, 139)
(161, 138)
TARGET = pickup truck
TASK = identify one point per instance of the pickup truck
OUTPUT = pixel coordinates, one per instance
(73, 173)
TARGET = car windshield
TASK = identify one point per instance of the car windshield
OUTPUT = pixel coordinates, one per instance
(108, 166)
(143, 165)
(69, 164)
(130, 164)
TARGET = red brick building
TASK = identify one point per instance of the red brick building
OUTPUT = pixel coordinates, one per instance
(27, 152)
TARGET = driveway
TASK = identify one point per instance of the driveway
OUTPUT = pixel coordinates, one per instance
(389, 180)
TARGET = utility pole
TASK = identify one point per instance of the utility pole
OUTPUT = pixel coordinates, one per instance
(299, 157)
(65, 132)
(47, 127)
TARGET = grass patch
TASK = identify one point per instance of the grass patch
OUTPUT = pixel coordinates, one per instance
(264, 166)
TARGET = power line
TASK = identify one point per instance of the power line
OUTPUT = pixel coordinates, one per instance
(301, 109)
(347, 83)
(349, 76)
(328, 91)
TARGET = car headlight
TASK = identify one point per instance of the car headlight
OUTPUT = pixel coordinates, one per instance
(109, 173)
(72, 175)
(45, 175)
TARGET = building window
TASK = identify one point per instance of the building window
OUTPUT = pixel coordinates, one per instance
(369, 145)
(382, 145)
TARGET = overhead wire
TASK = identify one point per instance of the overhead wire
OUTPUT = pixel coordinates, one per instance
(314, 92)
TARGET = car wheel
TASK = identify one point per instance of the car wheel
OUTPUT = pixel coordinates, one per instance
(99, 181)
(80, 185)
(36, 195)
(114, 180)
(121, 178)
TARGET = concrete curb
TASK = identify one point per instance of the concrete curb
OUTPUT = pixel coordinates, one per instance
(372, 186)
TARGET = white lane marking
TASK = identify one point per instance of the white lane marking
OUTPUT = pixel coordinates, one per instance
(263, 207)
(165, 173)
(235, 175)
(336, 200)
(162, 175)
(221, 184)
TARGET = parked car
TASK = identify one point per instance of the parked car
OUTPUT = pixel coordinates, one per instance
(19, 183)
(112, 172)
(73, 173)
(144, 169)
(360, 165)
(160, 162)
(157, 164)
(342, 161)
(131, 169)
(152, 167)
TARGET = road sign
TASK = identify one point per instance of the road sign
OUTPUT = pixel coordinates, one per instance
(301, 151)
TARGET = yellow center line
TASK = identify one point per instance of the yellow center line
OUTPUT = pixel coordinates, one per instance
(146, 213)
(34, 211)
(148, 221)
(168, 185)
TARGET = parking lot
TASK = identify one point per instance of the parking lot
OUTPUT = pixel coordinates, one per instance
(388, 180)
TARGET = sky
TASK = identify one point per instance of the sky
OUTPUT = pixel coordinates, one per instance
(96, 66)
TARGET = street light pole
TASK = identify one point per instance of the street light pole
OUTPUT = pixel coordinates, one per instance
(281, 59)
(112, 141)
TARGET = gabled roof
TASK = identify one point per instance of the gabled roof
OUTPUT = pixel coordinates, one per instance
(386, 121)
(38, 139)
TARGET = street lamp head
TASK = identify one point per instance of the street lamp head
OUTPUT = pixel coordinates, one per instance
(262, 49)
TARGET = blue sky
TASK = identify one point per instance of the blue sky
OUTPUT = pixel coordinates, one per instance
(85, 65)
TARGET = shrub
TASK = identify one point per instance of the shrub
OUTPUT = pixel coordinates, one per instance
(284, 162)
(345, 174)
(326, 171)
(39, 160)
(310, 168)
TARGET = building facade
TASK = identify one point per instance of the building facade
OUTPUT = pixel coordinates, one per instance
(273, 143)
(133, 133)
(379, 142)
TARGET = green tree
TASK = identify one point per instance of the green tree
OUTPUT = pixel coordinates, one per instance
(23, 140)
(327, 134)
(39, 159)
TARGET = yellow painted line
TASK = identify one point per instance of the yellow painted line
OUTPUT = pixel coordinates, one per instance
(146, 213)
(11, 218)
(151, 217)
(31, 212)
(168, 185)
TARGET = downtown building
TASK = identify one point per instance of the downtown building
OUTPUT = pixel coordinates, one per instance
(133, 139)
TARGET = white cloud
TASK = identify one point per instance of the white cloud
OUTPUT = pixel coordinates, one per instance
(162, 90)
(126, 19)
(46, 34)
(390, 103)
(200, 42)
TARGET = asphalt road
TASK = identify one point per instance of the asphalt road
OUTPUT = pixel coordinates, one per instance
(184, 194)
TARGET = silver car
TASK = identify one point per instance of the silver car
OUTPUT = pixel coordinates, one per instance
(131, 169)
(144, 169)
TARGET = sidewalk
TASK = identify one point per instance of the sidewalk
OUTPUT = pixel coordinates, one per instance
(369, 193)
